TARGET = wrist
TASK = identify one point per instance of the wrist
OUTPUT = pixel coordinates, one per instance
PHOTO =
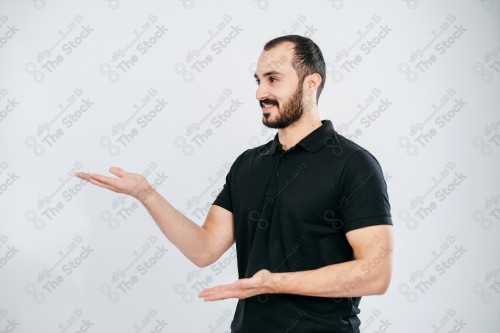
(145, 194)
(274, 283)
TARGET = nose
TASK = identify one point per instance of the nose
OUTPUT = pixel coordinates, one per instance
(262, 92)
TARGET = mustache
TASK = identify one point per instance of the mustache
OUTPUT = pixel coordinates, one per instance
(268, 101)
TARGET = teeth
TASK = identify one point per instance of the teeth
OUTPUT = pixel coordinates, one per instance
(266, 105)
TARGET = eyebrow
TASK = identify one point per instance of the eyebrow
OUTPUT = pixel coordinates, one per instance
(267, 74)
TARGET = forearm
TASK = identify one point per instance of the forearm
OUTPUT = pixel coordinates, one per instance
(187, 236)
(347, 279)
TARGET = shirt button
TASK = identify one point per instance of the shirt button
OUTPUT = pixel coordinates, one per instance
(277, 173)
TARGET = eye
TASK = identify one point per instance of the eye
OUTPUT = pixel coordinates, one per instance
(273, 79)
(257, 81)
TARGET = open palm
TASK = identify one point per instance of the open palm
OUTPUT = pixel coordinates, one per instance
(132, 184)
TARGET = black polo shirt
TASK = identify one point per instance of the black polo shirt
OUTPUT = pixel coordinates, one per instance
(291, 212)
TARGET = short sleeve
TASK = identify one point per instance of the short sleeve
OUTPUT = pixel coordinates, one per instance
(363, 193)
(224, 198)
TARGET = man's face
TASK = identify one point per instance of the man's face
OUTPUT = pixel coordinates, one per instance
(280, 90)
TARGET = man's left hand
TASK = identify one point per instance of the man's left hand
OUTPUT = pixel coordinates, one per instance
(243, 288)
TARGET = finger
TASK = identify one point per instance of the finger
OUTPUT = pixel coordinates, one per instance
(228, 294)
(103, 179)
(220, 290)
(101, 184)
(248, 285)
(243, 283)
(79, 175)
(216, 289)
(83, 175)
(117, 171)
(86, 176)
(220, 295)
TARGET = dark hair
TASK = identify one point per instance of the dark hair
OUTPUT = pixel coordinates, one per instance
(307, 59)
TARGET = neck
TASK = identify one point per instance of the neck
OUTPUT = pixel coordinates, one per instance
(291, 135)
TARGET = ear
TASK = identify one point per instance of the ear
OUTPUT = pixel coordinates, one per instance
(311, 84)
(310, 87)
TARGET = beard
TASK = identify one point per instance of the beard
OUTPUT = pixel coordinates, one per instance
(291, 111)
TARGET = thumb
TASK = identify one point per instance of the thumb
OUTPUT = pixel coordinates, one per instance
(117, 171)
(239, 284)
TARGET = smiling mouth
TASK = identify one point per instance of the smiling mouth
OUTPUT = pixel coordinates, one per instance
(267, 107)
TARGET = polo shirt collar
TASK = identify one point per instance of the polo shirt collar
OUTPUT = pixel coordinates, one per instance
(312, 142)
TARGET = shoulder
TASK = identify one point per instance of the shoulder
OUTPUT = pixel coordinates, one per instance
(356, 160)
(253, 154)
(244, 157)
(349, 152)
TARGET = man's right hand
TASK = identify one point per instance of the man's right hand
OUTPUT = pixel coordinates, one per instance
(202, 245)
(132, 184)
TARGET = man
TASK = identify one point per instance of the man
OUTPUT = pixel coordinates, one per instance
(309, 210)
